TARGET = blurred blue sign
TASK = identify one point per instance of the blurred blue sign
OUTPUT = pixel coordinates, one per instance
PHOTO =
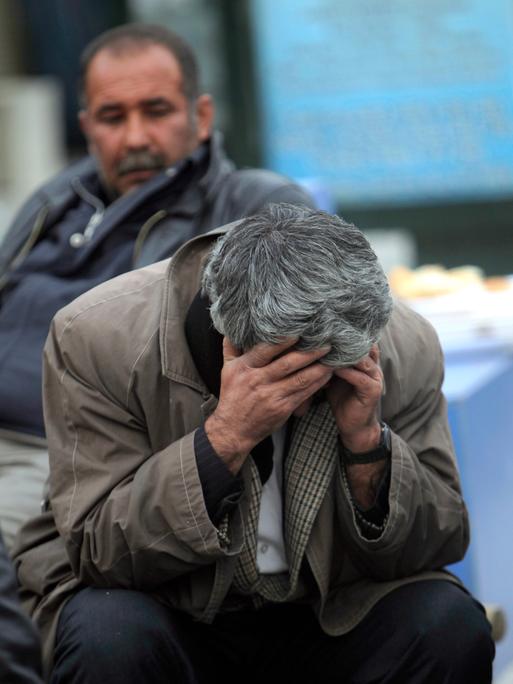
(388, 102)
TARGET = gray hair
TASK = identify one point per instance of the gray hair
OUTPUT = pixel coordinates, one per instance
(296, 272)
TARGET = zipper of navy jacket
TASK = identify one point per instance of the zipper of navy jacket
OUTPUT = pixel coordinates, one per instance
(76, 240)
(79, 239)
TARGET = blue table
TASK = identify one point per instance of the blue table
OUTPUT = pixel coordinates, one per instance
(479, 390)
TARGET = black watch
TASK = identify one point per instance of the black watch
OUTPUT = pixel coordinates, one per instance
(380, 452)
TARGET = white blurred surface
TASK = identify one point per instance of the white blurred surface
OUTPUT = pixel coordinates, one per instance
(394, 247)
(506, 676)
(31, 139)
(470, 315)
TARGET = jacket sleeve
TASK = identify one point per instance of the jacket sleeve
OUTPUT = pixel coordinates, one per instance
(427, 525)
(18, 231)
(20, 659)
(130, 514)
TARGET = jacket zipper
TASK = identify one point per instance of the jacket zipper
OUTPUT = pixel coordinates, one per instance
(79, 239)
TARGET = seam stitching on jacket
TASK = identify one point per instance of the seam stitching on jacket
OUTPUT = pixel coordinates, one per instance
(400, 483)
(73, 464)
(189, 501)
(150, 545)
(132, 369)
(65, 372)
(105, 301)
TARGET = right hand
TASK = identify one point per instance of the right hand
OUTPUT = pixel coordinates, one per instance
(260, 390)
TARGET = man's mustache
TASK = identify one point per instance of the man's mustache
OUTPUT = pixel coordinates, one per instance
(141, 161)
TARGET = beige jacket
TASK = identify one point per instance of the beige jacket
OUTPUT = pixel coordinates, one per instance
(123, 399)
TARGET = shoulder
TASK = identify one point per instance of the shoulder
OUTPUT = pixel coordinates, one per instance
(122, 292)
(115, 303)
(106, 330)
(411, 356)
(57, 188)
(60, 181)
(52, 193)
(259, 187)
(406, 329)
(251, 183)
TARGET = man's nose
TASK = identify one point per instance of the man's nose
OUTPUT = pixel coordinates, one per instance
(136, 134)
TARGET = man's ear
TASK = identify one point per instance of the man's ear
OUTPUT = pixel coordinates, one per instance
(204, 110)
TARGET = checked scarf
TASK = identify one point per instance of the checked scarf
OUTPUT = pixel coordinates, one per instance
(308, 470)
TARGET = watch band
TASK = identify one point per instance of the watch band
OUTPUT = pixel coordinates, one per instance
(379, 453)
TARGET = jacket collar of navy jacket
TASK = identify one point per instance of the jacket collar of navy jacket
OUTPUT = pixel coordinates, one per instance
(57, 195)
(59, 191)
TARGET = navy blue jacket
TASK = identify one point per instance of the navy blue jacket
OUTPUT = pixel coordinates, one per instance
(221, 196)
(40, 272)
(20, 658)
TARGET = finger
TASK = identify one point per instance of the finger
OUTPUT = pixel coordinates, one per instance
(262, 354)
(367, 365)
(374, 353)
(294, 361)
(230, 352)
(303, 398)
(303, 380)
(363, 382)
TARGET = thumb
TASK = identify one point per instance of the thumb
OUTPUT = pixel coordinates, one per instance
(229, 351)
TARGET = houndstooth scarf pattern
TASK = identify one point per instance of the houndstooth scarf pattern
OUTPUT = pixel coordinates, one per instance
(309, 467)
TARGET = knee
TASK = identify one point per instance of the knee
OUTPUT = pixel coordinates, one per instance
(453, 630)
(114, 631)
(109, 620)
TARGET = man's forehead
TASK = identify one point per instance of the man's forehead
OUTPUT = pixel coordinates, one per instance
(147, 70)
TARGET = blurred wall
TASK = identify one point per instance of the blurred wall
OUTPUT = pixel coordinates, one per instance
(44, 38)
(11, 48)
(31, 125)
(404, 111)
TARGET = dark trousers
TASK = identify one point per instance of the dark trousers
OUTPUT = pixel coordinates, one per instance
(429, 631)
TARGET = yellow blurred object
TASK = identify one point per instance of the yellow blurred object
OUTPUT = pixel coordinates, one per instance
(496, 283)
(433, 280)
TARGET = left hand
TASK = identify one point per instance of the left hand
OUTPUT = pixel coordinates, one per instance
(354, 394)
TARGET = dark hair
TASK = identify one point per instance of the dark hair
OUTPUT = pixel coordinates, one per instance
(140, 35)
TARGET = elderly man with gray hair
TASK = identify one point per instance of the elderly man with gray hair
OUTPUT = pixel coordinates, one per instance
(252, 476)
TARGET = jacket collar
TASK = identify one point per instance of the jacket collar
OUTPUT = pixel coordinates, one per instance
(219, 165)
(183, 280)
(58, 195)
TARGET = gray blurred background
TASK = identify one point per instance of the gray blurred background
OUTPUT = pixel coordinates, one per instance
(398, 115)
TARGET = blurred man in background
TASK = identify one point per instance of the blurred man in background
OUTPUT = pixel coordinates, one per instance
(156, 176)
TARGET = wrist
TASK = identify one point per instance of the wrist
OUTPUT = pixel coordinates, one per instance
(363, 440)
(228, 446)
(369, 448)
(364, 481)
